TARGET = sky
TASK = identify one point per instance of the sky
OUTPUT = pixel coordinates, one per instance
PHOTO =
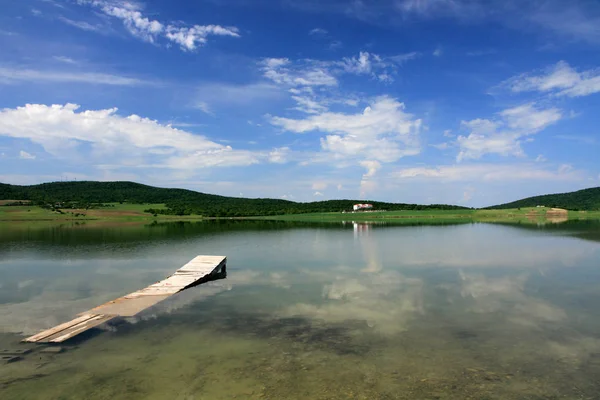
(417, 101)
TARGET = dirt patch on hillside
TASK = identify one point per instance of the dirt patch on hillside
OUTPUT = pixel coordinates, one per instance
(557, 215)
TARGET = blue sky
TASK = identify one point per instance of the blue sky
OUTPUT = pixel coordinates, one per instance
(430, 101)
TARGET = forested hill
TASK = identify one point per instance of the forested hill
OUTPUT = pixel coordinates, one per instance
(586, 199)
(181, 201)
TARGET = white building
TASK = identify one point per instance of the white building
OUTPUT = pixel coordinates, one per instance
(360, 207)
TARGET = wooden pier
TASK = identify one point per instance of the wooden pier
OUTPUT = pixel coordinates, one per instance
(201, 269)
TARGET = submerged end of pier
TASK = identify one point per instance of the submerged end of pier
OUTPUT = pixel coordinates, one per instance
(199, 270)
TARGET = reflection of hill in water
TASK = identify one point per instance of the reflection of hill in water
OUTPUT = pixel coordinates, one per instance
(94, 240)
(582, 229)
(92, 236)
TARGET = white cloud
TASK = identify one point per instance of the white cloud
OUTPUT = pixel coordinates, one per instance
(308, 105)
(368, 64)
(503, 135)
(560, 79)
(318, 194)
(488, 172)
(366, 183)
(188, 38)
(571, 19)
(83, 25)
(318, 32)
(66, 60)
(36, 12)
(283, 71)
(204, 107)
(358, 65)
(279, 155)
(541, 158)
(12, 75)
(437, 52)
(371, 166)
(448, 133)
(106, 137)
(400, 59)
(26, 156)
(382, 132)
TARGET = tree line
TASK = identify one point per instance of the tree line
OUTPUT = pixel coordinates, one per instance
(185, 202)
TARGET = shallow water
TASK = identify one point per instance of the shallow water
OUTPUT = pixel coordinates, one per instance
(349, 311)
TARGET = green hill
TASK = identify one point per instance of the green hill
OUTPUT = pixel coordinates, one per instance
(586, 199)
(181, 201)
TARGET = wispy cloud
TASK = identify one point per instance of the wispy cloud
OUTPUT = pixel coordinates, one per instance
(578, 138)
(318, 32)
(66, 60)
(189, 38)
(504, 135)
(488, 172)
(83, 25)
(283, 71)
(401, 59)
(10, 75)
(559, 79)
(211, 96)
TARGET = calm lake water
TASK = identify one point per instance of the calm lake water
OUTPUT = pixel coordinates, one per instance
(471, 311)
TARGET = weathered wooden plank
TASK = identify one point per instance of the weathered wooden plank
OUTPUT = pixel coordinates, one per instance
(196, 271)
(42, 335)
(79, 328)
(128, 307)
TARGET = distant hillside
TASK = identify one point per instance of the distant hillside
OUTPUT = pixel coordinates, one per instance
(587, 199)
(181, 201)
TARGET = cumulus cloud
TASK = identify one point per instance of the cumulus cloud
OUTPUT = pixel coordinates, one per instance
(560, 79)
(106, 137)
(382, 132)
(366, 183)
(503, 135)
(188, 38)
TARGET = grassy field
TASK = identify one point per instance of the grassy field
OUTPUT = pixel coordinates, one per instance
(115, 211)
(524, 215)
(135, 212)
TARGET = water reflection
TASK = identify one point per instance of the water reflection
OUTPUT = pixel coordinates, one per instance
(453, 311)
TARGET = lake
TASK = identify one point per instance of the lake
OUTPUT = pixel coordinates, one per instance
(309, 311)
